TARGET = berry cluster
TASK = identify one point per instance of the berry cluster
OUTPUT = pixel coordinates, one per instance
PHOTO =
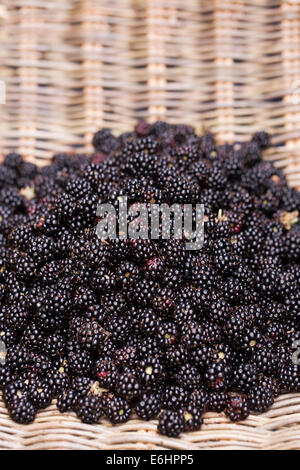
(109, 327)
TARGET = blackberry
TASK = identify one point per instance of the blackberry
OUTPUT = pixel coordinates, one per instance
(218, 376)
(199, 398)
(174, 397)
(125, 356)
(128, 386)
(192, 418)
(67, 400)
(148, 406)
(40, 394)
(216, 402)
(89, 409)
(106, 373)
(245, 376)
(150, 370)
(171, 423)
(118, 410)
(289, 378)
(80, 362)
(260, 399)
(189, 376)
(88, 335)
(21, 411)
(237, 408)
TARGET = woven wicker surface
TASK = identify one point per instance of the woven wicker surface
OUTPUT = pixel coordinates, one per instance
(73, 66)
(279, 428)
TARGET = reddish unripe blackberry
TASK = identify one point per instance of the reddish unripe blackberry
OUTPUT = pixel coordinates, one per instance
(237, 408)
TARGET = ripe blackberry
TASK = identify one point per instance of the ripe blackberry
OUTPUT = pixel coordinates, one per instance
(15, 390)
(148, 406)
(40, 394)
(192, 418)
(125, 357)
(150, 370)
(88, 335)
(216, 401)
(118, 410)
(128, 386)
(218, 376)
(289, 377)
(168, 333)
(21, 411)
(5, 376)
(89, 409)
(104, 141)
(80, 362)
(199, 398)
(189, 376)
(67, 400)
(174, 397)
(260, 399)
(237, 408)
(245, 376)
(171, 423)
(106, 373)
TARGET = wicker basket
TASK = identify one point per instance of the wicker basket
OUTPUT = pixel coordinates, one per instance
(73, 66)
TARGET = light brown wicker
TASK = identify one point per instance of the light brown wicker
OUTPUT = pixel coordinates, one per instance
(73, 66)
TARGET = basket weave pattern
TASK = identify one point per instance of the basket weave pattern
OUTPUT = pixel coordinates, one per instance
(73, 66)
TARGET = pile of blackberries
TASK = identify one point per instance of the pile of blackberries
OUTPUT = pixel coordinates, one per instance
(109, 327)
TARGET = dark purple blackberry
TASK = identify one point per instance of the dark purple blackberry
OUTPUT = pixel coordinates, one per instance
(260, 399)
(67, 400)
(128, 385)
(188, 376)
(104, 141)
(216, 401)
(118, 411)
(168, 333)
(40, 394)
(15, 390)
(192, 418)
(171, 423)
(106, 373)
(289, 377)
(262, 139)
(22, 411)
(125, 357)
(245, 376)
(6, 376)
(88, 335)
(148, 406)
(89, 409)
(150, 370)
(237, 408)
(79, 362)
(199, 398)
(218, 376)
(174, 397)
